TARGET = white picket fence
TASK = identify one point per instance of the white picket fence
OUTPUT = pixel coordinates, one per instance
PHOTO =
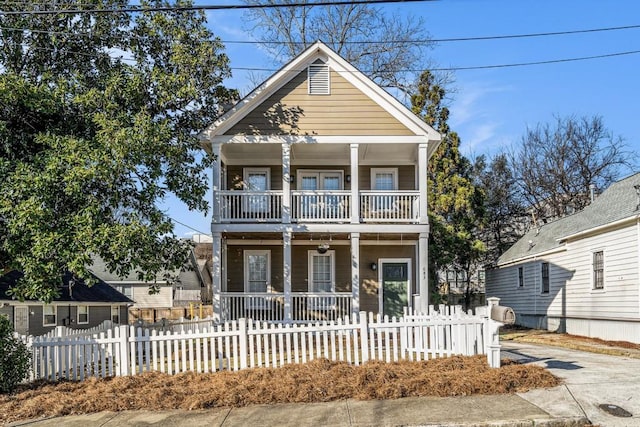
(126, 350)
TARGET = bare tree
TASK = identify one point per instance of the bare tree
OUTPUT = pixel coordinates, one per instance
(556, 165)
(388, 48)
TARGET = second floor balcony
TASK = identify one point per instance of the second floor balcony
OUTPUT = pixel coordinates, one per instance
(329, 206)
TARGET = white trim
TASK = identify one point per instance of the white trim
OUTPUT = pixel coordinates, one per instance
(532, 257)
(320, 228)
(78, 314)
(382, 261)
(318, 139)
(276, 242)
(332, 261)
(44, 315)
(393, 171)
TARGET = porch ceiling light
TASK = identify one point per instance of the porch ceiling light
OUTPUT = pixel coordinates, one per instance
(323, 248)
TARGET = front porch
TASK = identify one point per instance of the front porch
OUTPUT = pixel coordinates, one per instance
(304, 277)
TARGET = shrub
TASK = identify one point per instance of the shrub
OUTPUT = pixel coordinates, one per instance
(14, 358)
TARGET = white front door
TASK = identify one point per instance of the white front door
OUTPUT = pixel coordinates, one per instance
(256, 180)
(21, 319)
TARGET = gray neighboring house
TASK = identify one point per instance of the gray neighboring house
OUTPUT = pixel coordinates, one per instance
(579, 274)
(78, 307)
(188, 287)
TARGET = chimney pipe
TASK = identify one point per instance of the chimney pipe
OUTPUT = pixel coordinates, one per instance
(592, 191)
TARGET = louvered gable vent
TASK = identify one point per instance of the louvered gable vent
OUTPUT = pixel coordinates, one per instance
(318, 77)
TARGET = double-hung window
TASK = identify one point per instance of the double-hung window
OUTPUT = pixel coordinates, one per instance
(598, 270)
(257, 265)
(321, 279)
(115, 314)
(49, 315)
(83, 314)
(545, 277)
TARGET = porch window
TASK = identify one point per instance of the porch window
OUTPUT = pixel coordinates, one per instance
(545, 277)
(49, 315)
(115, 314)
(256, 179)
(324, 205)
(257, 264)
(384, 179)
(83, 314)
(598, 270)
(321, 278)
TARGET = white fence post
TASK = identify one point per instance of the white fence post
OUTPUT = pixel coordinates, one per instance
(364, 336)
(242, 342)
(492, 337)
(123, 351)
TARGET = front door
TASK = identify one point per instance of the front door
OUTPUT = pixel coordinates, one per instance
(256, 180)
(395, 287)
(324, 205)
(21, 319)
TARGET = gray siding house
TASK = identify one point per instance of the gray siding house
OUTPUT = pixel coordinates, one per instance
(78, 307)
(579, 274)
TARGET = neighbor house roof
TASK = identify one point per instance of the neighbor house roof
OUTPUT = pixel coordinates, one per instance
(80, 292)
(618, 202)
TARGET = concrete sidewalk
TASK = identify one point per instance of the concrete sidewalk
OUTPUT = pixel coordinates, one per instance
(501, 410)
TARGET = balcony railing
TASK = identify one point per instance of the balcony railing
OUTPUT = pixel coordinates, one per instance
(389, 206)
(320, 206)
(270, 307)
(250, 206)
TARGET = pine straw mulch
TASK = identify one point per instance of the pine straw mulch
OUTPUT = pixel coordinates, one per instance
(317, 381)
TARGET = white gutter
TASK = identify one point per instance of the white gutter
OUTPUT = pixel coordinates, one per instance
(598, 228)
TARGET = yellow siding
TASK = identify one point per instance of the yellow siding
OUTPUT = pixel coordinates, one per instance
(292, 111)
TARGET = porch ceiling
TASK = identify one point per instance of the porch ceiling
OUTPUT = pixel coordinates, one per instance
(319, 154)
(379, 237)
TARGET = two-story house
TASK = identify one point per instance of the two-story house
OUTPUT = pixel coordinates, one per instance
(319, 197)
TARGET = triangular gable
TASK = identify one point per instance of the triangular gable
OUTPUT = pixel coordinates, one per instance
(355, 105)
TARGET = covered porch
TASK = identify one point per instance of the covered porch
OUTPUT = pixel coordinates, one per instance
(306, 276)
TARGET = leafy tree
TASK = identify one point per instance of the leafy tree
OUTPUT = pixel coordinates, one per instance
(99, 115)
(506, 218)
(556, 164)
(14, 358)
(456, 210)
(285, 32)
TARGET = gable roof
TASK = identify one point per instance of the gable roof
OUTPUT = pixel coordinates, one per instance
(617, 203)
(80, 293)
(297, 65)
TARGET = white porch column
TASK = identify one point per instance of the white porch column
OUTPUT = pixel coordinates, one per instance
(355, 190)
(286, 274)
(422, 182)
(286, 183)
(423, 272)
(355, 273)
(217, 180)
(216, 277)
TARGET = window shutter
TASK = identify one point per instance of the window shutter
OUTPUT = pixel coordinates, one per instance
(318, 77)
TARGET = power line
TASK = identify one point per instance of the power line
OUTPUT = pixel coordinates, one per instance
(443, 40)
(138, 9)
(188, 226)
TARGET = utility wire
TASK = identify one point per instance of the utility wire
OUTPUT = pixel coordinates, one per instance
(457, 68)
(443, 40)
(138, 9)
(188, 226)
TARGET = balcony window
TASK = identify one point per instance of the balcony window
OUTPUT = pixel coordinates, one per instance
(384, 179)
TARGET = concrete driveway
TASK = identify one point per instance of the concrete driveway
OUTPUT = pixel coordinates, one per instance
(590, 380)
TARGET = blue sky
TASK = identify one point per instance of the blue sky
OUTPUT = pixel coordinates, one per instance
(491, 108)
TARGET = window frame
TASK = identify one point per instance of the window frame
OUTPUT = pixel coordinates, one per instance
(331, 254)
(86, 322)
(115, 308)
(520, 277)
(393, 171)
(45, 314)
(594, 286)
(545, 281)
